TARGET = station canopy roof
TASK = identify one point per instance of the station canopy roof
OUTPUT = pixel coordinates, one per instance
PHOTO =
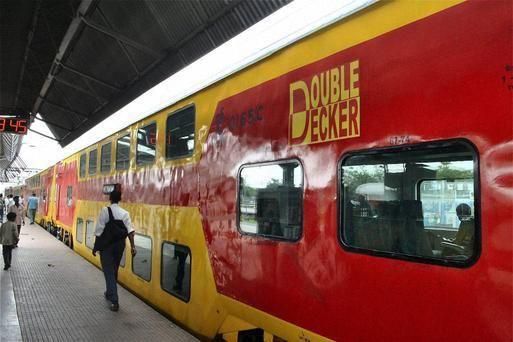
(76, 62)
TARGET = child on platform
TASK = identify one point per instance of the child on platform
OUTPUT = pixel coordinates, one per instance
(8, 238)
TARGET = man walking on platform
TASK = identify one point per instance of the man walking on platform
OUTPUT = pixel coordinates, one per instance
(111, 254)
(32, 207)
(17, 208)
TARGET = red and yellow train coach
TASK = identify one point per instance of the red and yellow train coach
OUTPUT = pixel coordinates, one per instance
(356, 185)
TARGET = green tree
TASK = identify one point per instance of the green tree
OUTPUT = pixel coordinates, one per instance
(446, 172)
(355, 176)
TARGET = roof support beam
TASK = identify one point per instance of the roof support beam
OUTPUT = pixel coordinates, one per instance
(27, 50)
(53, 104)
(122, 46)
(53, 124)
(119, 37)
(80, 89)
(74, 28)
(89, 77)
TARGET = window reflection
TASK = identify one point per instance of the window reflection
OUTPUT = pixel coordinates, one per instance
(141, 263)
(176, 270)
(123, 153)
(180, 133)
(412, 202)
(270, 200)
(146, 140)
(105, 158)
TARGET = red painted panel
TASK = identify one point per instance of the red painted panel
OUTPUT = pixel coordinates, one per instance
(46, 185)
(66, 177)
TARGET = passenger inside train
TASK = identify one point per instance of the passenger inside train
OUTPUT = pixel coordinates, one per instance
(411, 203)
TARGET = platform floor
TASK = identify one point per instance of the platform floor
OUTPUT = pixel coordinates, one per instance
(52, 294)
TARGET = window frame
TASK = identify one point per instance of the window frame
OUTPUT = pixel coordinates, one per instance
(69, 196)
(101, 159)
(271, 237)
(162, 273)
(151, 258)
(80, 165)
(89, 162)
(188, 155)
(426, 146)
(137, 162)
(83, 231)
(129, 134)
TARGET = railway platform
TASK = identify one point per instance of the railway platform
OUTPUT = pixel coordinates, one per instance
(52, 294)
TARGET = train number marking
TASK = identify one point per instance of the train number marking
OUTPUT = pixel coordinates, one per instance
(238, 121)
(399, 140)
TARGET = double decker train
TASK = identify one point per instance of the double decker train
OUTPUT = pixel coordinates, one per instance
(355, 185)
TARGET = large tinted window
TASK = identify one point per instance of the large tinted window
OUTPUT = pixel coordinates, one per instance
(123, 152)
(93, 161)
(270, 199)
(180, 133)
(146, 141)
(106, 157)
(414, 202)
(83, 165)
(176, 270)
(141, 263)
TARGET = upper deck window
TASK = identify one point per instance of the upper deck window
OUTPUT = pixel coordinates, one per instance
(146, 141)
(83, 165)
(412, 202)
(180, 133)
(123, 152)
(271, 199)
(106, 157)
(93, 161)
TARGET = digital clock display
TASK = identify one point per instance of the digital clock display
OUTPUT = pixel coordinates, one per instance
(13, 125)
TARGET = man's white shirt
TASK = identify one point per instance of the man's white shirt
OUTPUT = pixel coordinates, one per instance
(118, 213)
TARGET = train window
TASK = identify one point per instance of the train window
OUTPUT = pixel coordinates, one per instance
(123, 153)
(69, 196)
(180, 133)
(270, 200)
(80, 230)
(146, 141)
(90, 234)
(141, 263)
(106, 157)
(414, 202)
(176, 270)
(93, 161)
(83, 165)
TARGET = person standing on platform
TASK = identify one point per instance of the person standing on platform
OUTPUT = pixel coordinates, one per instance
(17, 208)
(110, 257)
(8, 238)
(32, 204)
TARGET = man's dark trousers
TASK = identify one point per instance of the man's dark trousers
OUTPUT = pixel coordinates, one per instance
(110, 259)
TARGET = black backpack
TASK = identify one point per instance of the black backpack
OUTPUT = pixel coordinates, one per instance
(115, 230)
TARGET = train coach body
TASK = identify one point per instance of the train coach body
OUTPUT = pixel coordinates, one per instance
(321, 193)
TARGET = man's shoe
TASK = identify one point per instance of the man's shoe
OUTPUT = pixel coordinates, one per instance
(114, 307)
(6, 268)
